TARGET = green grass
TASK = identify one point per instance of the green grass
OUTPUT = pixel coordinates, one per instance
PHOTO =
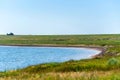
(91, 69)
(95, 75)
(61, 39)
(106, 67)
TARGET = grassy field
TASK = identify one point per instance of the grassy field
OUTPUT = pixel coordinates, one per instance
(101, 40)
(105, 67)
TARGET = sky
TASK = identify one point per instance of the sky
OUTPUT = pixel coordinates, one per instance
(48, 17)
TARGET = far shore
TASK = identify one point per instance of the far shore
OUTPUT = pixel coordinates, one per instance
(99, 48)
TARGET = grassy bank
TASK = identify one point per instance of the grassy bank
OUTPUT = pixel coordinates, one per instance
(105, 66)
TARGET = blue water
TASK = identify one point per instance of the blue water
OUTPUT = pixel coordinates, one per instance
(12, 57)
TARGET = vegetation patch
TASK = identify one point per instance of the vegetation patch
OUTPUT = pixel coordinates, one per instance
(105, 67)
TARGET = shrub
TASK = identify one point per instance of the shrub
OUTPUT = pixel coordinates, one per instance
(112, 62)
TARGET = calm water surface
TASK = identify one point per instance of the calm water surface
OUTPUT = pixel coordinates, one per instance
(12, 57)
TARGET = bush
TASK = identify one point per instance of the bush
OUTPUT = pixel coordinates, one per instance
(112, 62)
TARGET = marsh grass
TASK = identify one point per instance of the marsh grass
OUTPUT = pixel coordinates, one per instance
(90, 69)
(95, 75)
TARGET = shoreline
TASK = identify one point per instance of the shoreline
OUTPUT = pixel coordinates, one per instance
(98, 55)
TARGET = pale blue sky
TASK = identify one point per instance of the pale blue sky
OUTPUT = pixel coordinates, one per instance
(60, 16)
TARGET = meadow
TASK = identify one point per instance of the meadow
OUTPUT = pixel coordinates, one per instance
(102, 67)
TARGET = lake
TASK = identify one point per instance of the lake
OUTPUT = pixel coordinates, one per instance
(17, 57)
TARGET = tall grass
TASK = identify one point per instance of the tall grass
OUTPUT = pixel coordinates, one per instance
(95, 75)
